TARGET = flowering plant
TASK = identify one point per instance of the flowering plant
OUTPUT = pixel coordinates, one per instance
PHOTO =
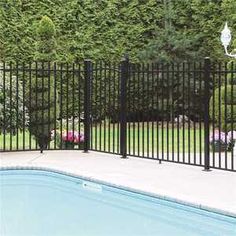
(219, 141)
(72, 137)
(232, 135)
(67, 138)
(219, 137)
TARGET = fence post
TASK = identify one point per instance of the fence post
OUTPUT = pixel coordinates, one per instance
(87, 102)
(123, 91)
(207, 71)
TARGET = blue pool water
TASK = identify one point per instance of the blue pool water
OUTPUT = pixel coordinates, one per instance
(34, 202)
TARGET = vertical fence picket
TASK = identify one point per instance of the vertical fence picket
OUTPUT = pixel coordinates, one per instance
(226, 112)
(87, 103)
(172, 112)
(138, 111)
(55, 104)
(183, 111)
(142, 107)
(109, 106)
(104, 107)
(134, 108)
(162, 111)
(73, 101)
(79, 88)
(17, 105)
(232, 110)
(123, 107)
(114, 101)
(61, 104)
(207, 71)
(167, 110)
(220, 111)
(130, 90)
(194, 121)
(29, 87)
(178, 127)
(48, 100)
(200, 118)
(42, 74)
(152, 112)
(188, 112)
(95, 94)
(10, 105)
(4, 107)
(157, 115)
(36, 96)
(147, 92)
(67, 100)
(23, 87)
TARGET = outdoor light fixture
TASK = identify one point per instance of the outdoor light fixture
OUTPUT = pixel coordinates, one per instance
(225, 39)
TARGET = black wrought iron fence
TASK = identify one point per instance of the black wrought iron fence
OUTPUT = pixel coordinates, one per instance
(41, 106)
(183, 113)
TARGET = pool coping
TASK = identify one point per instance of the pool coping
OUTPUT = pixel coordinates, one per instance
(123, 187)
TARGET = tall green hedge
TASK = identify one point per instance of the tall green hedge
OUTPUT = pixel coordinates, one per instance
(153, 30)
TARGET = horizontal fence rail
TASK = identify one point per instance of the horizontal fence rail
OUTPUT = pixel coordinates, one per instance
(179, 112)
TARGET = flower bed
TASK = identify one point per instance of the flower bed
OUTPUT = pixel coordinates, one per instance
(68, 139)
(221, 142)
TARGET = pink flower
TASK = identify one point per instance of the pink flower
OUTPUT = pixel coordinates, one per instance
(72, 136)
(232, 135)
(81, 138)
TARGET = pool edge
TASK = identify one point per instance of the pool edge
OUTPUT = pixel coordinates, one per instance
(126, 188)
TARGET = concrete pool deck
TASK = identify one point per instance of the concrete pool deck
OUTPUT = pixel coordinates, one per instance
(214, 190)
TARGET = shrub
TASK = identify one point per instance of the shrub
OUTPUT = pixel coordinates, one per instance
(42, 94)
(223, 104)
(15, 115)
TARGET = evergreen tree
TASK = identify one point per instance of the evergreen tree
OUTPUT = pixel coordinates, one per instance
(42, 92)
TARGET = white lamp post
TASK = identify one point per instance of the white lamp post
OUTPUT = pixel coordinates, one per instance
(225, 40)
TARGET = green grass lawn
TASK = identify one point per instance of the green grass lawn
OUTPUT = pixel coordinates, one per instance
(141, 139)
(146, 138)
(19, 141)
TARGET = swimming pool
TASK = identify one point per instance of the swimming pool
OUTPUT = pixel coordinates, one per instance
(37, 202)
